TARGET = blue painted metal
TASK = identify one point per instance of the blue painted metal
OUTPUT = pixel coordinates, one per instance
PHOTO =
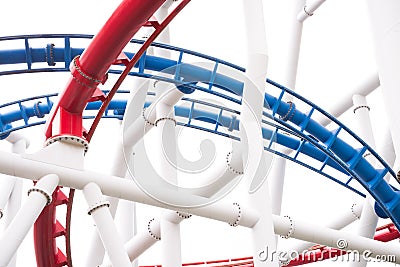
(308, 136)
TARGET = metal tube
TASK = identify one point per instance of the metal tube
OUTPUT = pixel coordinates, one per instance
(366, 87)
(368, 218)
(164, 36)
(19, 145)
(144, 240)
(6, 186)
(98, 209)
(384, 18)
(117, 187)
(170, 242)
(286, 226)
(38, 198)
(105, 47)
(251, 139)
(166, 143)
(308, 10)
(135, 131)
(291, 61)
(341, 221)
(96, 248)
(166, 158)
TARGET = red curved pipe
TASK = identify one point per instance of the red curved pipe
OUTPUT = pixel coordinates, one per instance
(87, 73)
(91, 68)
(105, 47)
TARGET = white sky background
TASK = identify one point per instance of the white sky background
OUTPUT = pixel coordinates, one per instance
(336, 55)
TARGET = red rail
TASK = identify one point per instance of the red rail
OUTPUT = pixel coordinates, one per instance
(87, 72)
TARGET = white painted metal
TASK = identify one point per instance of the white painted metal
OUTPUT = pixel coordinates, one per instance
(291, 60)
(144, 240)
(340, 221)
(166, 166)
(365, 87)
(16, 137)
(122, 158)
(13, 236)
(308, 10)
(135, 131)
(257, 166)
(98, 209)
(164, 36)
(384, 19)
(329, 237)
(277, 175)
(277, 178)
(19, 145)
(117, 187)
(170, 241)
(165, 161)
(6, 186)
(368, 218)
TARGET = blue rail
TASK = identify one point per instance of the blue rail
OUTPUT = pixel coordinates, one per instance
(308, 137)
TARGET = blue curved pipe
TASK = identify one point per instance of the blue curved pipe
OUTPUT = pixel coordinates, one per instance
(350, 158)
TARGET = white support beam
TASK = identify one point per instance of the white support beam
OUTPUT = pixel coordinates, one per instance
(384, 18)
(348, 216)
(28, 168)
(144, 240)
(255, 161)
(364, 88)
(288, 227)
(38, 197)
(112, 241)
(308, 10)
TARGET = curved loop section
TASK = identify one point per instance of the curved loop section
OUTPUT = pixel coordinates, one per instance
(331, 147)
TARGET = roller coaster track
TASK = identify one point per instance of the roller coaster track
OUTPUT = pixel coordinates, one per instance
(284, 125)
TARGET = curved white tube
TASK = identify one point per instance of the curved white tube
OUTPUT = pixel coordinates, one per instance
(37, 199)
(98, 209)
(332, 238)
(309, 10)
(384, 17)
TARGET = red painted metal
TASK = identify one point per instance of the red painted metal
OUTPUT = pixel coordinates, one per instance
(387, 233)
(316, 253)
(47, 229)
(90, 69)
(158, 29)
(87, 72)
(45, 232)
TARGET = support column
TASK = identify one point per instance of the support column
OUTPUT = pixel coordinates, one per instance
(6, 186)
(164, 36)
(38, 197)
(277, 175)
(19, 145)
(250, 132)
(350, 215)
(112, 241)
(368, 218)
(384, 18)
(289, 227)
(166, 158)
(144, 240)
(123, 155)
(171, 239)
